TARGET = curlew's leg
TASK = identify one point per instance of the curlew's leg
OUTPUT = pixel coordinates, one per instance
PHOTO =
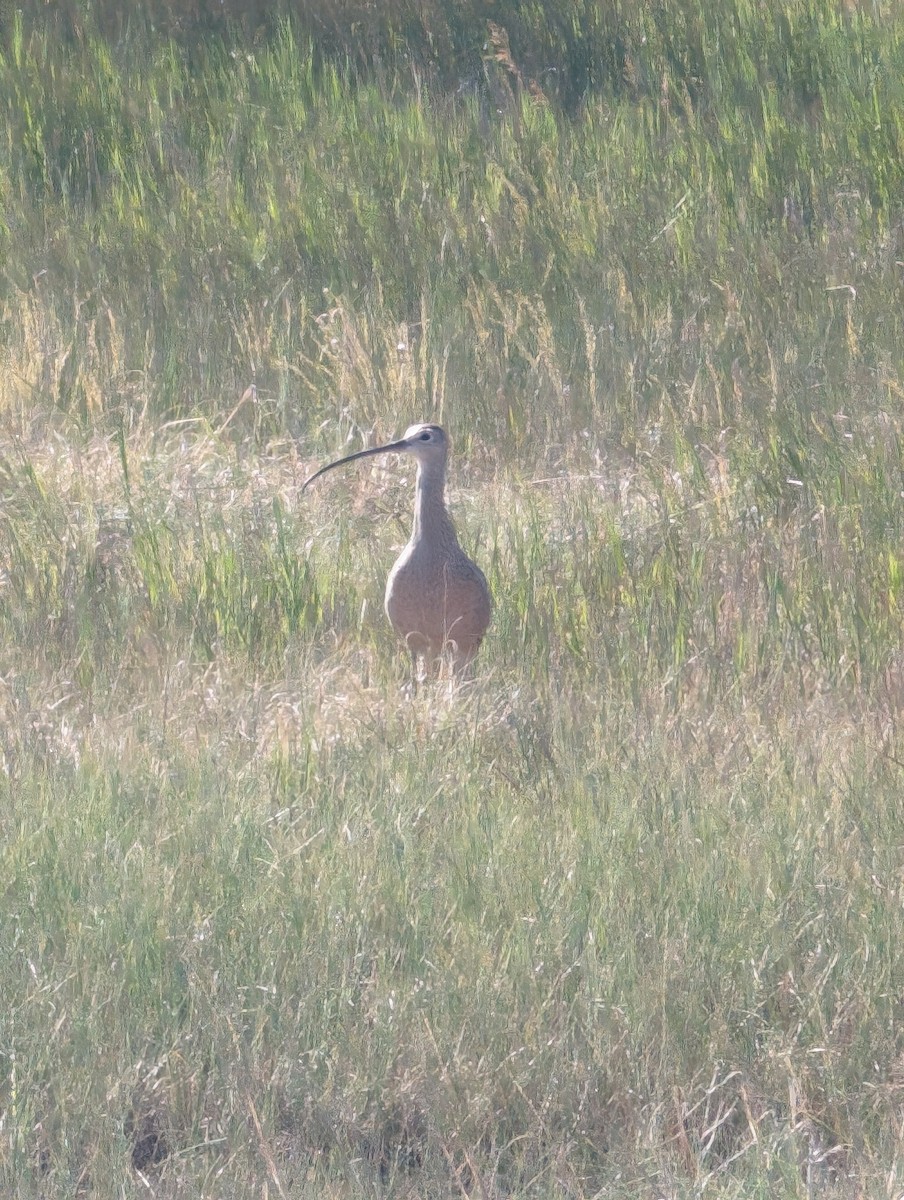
(414, 670)
(420, 664)
(460, 658)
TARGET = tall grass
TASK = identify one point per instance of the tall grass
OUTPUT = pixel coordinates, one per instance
(307, 224)
(621, 916)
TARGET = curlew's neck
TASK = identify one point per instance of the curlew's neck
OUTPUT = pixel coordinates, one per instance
(432, 523)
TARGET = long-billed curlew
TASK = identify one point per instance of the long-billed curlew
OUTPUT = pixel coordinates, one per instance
(437, 599)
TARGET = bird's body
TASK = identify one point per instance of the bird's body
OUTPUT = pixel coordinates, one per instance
(437, 599)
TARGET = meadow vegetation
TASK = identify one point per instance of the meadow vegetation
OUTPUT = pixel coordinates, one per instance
(621, 916)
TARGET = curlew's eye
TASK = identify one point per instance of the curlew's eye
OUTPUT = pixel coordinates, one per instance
(425, 436)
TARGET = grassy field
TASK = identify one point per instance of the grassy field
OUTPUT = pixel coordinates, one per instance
(622, 915)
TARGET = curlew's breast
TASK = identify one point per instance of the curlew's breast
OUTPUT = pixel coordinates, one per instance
(433, 600)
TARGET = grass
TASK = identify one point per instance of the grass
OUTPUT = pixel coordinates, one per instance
(620, 917)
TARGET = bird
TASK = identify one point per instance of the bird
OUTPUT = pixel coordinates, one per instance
(437, 599)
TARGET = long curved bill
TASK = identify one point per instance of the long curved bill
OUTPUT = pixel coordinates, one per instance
(340, 462)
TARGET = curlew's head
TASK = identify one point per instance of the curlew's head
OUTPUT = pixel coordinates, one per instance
(428, 443)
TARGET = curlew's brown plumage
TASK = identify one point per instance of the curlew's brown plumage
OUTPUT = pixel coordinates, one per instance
(437, 599)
